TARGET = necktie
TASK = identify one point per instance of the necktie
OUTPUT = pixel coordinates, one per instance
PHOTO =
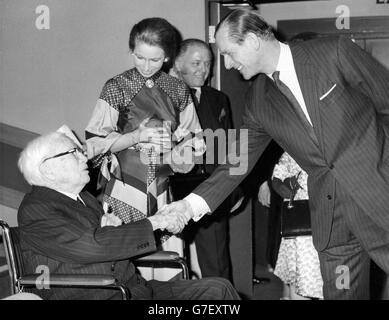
(296, 106)
(80, 200)
(194, 97)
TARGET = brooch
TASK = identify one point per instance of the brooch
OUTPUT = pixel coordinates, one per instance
(149, 83)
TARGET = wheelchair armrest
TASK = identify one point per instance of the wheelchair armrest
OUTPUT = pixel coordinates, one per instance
(69, 279)
(29, 279)
(77, 281)
(159, 256)
(163, 259)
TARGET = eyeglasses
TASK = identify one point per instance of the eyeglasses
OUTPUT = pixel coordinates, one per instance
(74, 150)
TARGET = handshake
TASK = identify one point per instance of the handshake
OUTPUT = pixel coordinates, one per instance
(172, 217)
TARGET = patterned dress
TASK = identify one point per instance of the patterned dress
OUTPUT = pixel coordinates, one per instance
(298, 261)
(137, 178)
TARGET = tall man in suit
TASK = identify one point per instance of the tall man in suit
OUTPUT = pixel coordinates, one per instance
(192, 65)
(326, 103)
(66, 230)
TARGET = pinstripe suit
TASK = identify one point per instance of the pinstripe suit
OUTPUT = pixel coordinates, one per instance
(63, 234)
(346, 93)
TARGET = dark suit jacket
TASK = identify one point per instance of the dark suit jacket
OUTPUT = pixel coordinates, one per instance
(214, 113)
(66, 236)
(350, 123)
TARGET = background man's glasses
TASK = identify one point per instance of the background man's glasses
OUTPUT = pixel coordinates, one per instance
(74, 150)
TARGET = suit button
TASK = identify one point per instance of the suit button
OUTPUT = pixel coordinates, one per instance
(329, 197)
(331, 166)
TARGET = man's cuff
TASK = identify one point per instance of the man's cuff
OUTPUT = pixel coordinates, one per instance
(198, 205)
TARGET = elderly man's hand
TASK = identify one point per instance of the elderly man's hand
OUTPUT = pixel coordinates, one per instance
(176, 223)
(181, 210)
(170, 221)
(109, 219)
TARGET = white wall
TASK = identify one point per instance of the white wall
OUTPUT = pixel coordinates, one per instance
(9, 215)
(51, 77)
(320, 9)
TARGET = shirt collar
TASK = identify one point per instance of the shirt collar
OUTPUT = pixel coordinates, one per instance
(198, 89)
(70, 195)
(285, 60)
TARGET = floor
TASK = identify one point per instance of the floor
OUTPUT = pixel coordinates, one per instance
(271, 290)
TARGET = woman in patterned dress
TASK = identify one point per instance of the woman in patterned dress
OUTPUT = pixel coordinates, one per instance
(298, 262)
(139, 117)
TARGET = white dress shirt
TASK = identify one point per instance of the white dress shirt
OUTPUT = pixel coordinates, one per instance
(288, 76)
(198, 93)
(72, 195)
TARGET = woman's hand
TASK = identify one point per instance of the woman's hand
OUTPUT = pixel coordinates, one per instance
(264, 194)
(159, 136)
(282, 188)
(182, 159)
(288, 188)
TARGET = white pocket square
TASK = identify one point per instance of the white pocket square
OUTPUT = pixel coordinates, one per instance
(327, 93)
(222, 114)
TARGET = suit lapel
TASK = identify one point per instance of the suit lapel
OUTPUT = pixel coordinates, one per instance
(281, 122)
(74, 208)
(284, 125)
(92, 203)
(89, 201)
(307, 76)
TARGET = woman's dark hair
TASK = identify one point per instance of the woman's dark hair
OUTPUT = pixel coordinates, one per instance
(155, 32)
(239, 22)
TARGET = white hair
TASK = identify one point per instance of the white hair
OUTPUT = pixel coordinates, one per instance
(33, 155)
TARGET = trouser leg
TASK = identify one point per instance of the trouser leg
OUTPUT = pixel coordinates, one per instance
(211, 239)
(355, 238)
(203, 289)
(344, 264)
(345, 271)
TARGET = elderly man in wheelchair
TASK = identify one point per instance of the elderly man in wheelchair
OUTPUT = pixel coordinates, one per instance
(64, 231)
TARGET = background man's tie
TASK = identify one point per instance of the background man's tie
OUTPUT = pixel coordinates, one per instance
(194, 97)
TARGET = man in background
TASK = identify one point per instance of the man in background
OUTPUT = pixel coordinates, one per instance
(192, 65)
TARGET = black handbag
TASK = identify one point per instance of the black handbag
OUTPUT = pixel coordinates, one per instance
(183, 184)
(295, 219)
